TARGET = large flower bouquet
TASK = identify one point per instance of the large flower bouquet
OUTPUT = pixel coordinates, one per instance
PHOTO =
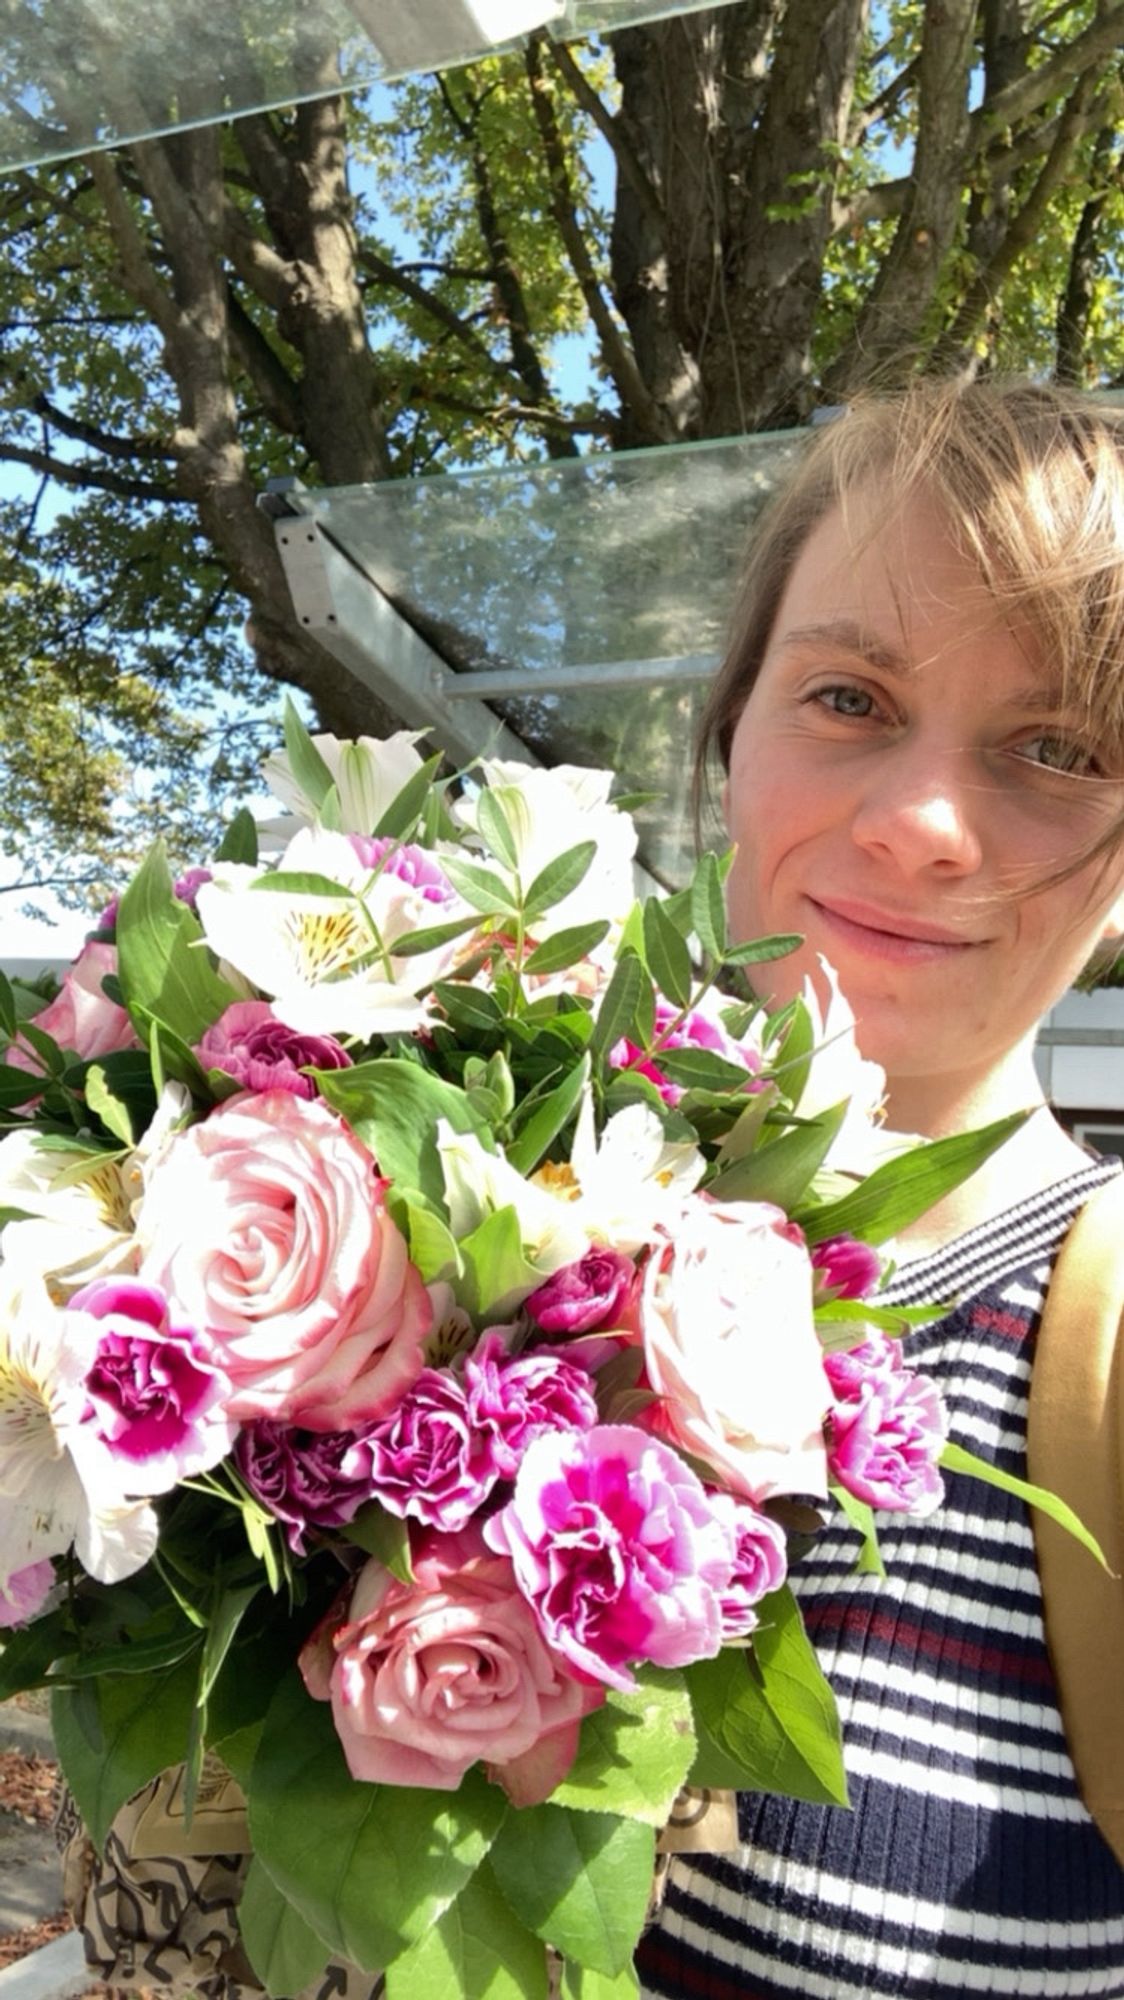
(428, 1308)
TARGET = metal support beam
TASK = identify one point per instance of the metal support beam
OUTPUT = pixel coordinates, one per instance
(601, 678)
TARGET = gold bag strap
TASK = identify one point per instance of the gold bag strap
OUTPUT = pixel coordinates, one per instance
(1075, 1447)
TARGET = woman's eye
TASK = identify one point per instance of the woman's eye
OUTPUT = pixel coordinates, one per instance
(1061, 753)
(846, 700)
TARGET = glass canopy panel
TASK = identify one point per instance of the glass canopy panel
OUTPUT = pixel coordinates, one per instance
(81, 74)
(586, 601)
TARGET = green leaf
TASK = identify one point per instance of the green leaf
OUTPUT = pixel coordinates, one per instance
(470, 1007)
(406, 807)
(566, 947)
(486, 891)
(285, 1952)
(770, 1712)
(104, 1105)
(413, 943)
(760, 951)
(17, 1086)
(9, 1019)
(309, 770)
(955, 1459)
(702, 1069)
(165, 973)
(495, 827)
(478, 1950)
(370, 1868)
(558, 879)
(240, 841)
(579, 1982)
(394, 1108)
(117, 1732)
(708, 906)
(497, 1274)
(634, 1753)
(548, 1119)
(861, 1516)
(896, 1193)
(384, 1536)
(616, 1014)
(780, 1171)
(669, 961)
(433, 1246)
(580, 1880)
(302, 882)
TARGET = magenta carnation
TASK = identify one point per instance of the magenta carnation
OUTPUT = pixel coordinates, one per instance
(696, 1031)
(156, 1396)
(301, 1477)
(514, 1398)
(887, 1429)
(846, 1268)
(618, 1549)
(760, 1565)
(410, 864)
(581, 1297)
(250, 1044)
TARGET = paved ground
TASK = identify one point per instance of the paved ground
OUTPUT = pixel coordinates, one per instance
(29, 1868)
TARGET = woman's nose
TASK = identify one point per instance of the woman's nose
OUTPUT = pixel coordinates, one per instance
(921, 813)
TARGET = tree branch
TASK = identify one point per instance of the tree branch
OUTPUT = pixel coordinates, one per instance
(1071, 324)
(274, 386)
(92, 434)
(1017, 100)
(397, 276)
(256, 262)
(627, 158)
(83, 475)
(137, 274)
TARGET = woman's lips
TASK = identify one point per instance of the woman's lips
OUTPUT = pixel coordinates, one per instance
(881, 934)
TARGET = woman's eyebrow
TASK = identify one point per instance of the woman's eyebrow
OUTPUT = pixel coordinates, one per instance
(846, 635)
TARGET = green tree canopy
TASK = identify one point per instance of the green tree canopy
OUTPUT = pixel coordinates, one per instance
(741, 214)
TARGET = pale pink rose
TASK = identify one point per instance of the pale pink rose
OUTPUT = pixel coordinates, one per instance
(427, 1679)
(731, 1349)
(81, 1016)
(267, 1225)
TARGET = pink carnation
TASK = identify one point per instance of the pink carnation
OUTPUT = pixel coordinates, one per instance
(760, 1565)
(846, 1268)
(156, 1398)
(410, 864)
(82, 1017)
(428, 1678)
(250, 1044)
(619, 1549)
(696, 1031)
(594, 1292)
(267, 1223)
(887, 1429)
(25, 1593)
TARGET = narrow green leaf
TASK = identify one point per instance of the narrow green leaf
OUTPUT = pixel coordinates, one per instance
(495, 827)
(616, 1014)
(301, 882)
(240, 841)
(285, 1952)
(469, 1007)
(370, 1869)
(104, 1105)
(383, 1536)
(708, 906)
(407, 806)
(9, 1019)
(861, 1516)
(702, 1069)
(485, 890)
(955, 1459)
(18, 1086)
(478, 1950)
(580, 1880)
(414, 943)
(559, 879)
(760, 951)
(669, 961)
(309, 770)
(566, 947)
(634, 1753)
(896, 1193)
(117, 1732)
(548, 1119)
(780, 1171)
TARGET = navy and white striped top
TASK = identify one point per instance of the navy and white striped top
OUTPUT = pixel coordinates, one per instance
(968, 1864)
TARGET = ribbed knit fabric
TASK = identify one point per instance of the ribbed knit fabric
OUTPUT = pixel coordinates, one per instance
(968, 1864)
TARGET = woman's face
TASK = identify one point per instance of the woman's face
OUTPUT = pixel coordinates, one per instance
(900, 766)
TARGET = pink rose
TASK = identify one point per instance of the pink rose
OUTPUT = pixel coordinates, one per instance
(731, 1349)
(846, 1268)
(427, 1679)
(596, 1291)
(267, 1224)
(619, 1549)
(81, 1016)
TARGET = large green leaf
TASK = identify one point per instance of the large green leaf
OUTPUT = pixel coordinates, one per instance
(780, 1170)
(580, 1880)
(394, 1107)
(771, 1712)
(164, 971)
(635, 1752)
(309, 770)
(497, 1274)
(114, 1734)
(580, 1983)
(708, 906)
(284, 1951)
(903, 1188)
(478, 1950)
(954, 1458)
(548, 1119)
(369, 1867)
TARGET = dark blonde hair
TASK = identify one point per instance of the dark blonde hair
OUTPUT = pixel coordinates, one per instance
(1030, 480)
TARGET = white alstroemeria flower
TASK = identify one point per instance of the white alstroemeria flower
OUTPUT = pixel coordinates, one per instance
(369, 773)
(77, 1211)
(327, 962)
(59, 1484)
(550, 811)
(477, 1183)
(634, 1181)
(838, 1071)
